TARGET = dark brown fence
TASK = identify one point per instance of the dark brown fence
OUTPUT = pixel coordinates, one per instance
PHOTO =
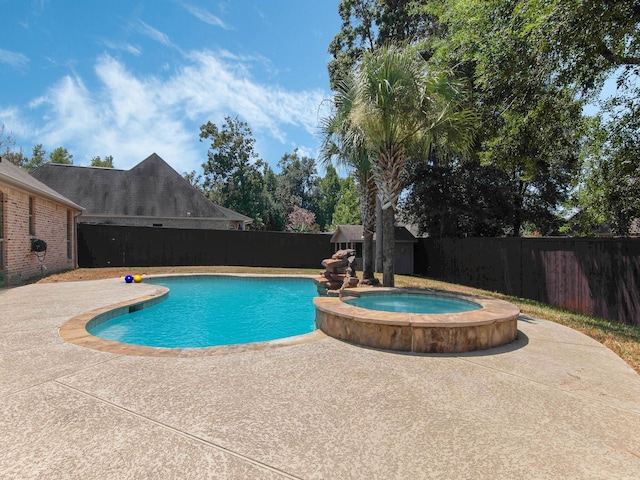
(108, 245)
(599, 277)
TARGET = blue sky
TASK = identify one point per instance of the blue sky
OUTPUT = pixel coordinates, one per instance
(131, 77)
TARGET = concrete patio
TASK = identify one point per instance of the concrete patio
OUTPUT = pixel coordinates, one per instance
(554, 404)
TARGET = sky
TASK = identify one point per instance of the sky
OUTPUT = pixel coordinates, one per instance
(129, 78)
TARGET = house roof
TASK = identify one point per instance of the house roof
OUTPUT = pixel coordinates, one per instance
(348, 233)
(150, 189)
(353, 234)
(17, 177)
(231, 215)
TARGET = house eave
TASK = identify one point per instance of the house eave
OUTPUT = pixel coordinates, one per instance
(23, 186)
(156, 217)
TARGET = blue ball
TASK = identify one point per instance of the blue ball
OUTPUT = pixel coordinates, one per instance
(128, 279)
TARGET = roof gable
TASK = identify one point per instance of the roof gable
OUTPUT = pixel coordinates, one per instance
(347, 234)
(152, 189)
(353, 234)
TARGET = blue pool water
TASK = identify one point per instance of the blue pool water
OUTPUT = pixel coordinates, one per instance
(403, 303)
(210, 311)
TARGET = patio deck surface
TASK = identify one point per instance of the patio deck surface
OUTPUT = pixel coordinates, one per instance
(554, 404)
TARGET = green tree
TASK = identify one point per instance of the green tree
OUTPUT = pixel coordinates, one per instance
(195, 179)
(457, 199)
(232, 176)
(344, 143)
(107, 162)
(531, 124)
(368, 24)
(296, 182)
(273, 215)
(328, 188)
(610, 191)
(37, 158)
(401, 107)
(538, 148)
(584, 40)
(61, 155)
(347, 211)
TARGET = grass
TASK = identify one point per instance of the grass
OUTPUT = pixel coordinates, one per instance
(624, 340)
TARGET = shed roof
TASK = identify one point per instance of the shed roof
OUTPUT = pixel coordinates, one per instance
(17, 177)
(151, 189)
(353, 234)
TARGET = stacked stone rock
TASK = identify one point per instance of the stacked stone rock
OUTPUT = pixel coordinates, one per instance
(336, 267)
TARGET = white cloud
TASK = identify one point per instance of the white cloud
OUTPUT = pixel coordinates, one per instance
(148, 31)
(205, 16)
(14, 59)
(125, 47)
(212, 84)
(131, 116)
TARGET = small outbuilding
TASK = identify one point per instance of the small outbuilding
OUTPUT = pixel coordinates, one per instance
(351, 237)
(37, 227)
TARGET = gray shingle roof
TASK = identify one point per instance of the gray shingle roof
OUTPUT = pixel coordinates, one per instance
(353, 233)
(17, 177)
(151, 189)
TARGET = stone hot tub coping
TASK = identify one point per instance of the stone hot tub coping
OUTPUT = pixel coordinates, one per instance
(494, 324)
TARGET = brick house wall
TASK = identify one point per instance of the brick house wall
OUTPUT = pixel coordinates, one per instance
(52, 222)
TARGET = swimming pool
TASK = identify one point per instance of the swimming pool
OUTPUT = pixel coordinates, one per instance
(404, 303)
(207, 311)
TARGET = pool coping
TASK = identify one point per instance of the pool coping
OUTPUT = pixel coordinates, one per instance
(494, 324)
(74, 330)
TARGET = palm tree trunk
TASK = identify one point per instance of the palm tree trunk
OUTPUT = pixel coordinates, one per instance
(388, 247)
(379, 235)
(367, 256)
(368, 193)
(388, 171)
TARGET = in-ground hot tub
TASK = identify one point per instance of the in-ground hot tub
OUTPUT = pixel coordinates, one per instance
(487, 323)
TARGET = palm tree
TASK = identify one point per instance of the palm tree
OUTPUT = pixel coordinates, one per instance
(399, 107)
(345, 144)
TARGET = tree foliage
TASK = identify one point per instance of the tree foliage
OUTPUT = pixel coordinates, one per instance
(38, 158)
(296, 182)
(347, 210)
(457, 199)
(368, 24)
(61, 155)
(531, 123)
(328, 192)
(583, 40)
(106, 162)
(232, 175)
(236, 178)
(301, 220)
(401, 108)
(343, 142)
(610, 190)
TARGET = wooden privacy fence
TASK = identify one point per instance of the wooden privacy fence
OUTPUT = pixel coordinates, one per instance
(120, 246)
(594, 276)
(599, 277)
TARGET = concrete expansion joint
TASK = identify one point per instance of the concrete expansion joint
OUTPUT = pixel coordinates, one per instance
(593, 344)
(563, 390)
(179, 432)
